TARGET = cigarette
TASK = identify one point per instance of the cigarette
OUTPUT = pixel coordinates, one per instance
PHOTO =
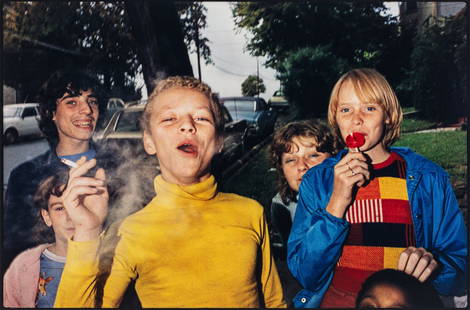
(69, 162)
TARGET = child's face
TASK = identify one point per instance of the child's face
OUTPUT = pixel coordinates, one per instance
(384, 296)
(368, 118)
(75, 116)
(182, 135)
(302, 156)
(56, 217)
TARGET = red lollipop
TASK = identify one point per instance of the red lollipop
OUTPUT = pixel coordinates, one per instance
(355, 140)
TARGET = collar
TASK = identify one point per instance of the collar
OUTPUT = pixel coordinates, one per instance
(203, 191)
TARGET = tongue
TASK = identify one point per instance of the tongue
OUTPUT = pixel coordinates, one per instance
(188, 148)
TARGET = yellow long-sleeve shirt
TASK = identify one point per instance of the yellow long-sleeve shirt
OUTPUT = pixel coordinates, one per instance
(191, 246)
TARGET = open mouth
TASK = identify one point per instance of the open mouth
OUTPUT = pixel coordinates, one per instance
(188, 148)
(87, 124)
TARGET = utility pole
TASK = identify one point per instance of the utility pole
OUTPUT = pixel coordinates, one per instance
(196, 24)
(257, 76)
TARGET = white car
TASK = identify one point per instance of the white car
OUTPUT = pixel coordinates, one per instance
(20, 120)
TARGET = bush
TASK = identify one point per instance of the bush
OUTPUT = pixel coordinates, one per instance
(308, 76)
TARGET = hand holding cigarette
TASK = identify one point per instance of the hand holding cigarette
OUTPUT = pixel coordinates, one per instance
(86, 200)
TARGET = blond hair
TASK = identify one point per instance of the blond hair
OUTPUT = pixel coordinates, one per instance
(187, 82)
(370, 86)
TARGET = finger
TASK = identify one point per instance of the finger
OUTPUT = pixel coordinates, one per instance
(100, 174)
(86, 181)
(403, 259)
(428, 270)
(82, 168)
(350, 156)
(355, 163)
(421, 265)
(413, 260)
(77, 191)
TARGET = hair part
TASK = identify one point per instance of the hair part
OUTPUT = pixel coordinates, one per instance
(66, 82)
(187, 82)
(370, 86)
(282, 143)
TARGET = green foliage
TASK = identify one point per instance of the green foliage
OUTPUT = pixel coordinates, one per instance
(446, 148)
(438, 75)
(193, 19)
(41, 37)
(308, 75)
(253, 86)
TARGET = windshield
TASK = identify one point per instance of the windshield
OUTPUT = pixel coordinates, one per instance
(10, 111)
(129, 121)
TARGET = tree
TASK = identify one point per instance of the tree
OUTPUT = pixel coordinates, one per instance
(308, 75)
(439, 52)
(41, 37)
(252, 86)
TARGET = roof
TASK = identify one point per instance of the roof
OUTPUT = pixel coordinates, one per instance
(240, 98)
(22, 105)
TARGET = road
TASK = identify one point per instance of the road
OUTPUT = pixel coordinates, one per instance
(15, 154)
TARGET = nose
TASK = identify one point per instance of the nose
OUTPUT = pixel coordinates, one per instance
(85, 108)
(187, 125)
(357, 118)
(302, 165)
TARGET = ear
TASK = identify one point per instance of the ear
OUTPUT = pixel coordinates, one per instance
(149, 146)
(46, 217)
(53, 116)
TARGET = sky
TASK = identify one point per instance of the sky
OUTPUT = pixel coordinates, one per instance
(232, 63)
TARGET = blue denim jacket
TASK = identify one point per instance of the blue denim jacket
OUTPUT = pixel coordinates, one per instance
(317, 237)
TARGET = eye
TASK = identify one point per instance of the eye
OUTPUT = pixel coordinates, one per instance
(59, 208)
(345, 110)
(93, 102)
(314, 155)
(71, 102)
(168, 119)
(371, 108)
(289, 160)
(201, 118)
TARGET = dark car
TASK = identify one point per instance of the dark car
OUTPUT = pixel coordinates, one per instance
(255, 111)
(124, 130)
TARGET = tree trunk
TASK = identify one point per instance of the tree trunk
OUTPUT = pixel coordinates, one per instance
(156, 28)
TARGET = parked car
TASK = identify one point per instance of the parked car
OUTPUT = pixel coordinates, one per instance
(255, 111)
(113, 105)
(278, 101)
(124, 129)
(20, 120)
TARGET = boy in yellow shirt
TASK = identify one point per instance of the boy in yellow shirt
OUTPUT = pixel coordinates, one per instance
(191, 246)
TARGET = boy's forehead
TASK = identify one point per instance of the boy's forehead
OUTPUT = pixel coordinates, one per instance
(70, 93)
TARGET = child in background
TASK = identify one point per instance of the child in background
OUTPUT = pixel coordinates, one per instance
(390, 288)
(373, 207)
(296, 147)
(34, 275)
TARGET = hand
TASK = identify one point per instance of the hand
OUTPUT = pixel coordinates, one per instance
(86, 200)
(417, 262)
(351, 171)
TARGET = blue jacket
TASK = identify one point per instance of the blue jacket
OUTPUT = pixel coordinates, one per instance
(317, 237)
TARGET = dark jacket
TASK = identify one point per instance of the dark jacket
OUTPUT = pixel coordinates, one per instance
(317, 237)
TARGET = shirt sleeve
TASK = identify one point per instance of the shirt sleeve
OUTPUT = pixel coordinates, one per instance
(317, 237)
(93, 280)
(270, 281)
(449, 243)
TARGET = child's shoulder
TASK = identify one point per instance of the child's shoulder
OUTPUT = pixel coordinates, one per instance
(30, 256)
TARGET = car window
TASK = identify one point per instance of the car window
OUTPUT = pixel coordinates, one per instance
(278, 93)
(246, 105)
(29, 112)
(230, 104)
(129, 121)
(10, 111)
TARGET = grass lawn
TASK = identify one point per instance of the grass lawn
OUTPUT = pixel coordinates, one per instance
(448, 149)
(415, 124)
